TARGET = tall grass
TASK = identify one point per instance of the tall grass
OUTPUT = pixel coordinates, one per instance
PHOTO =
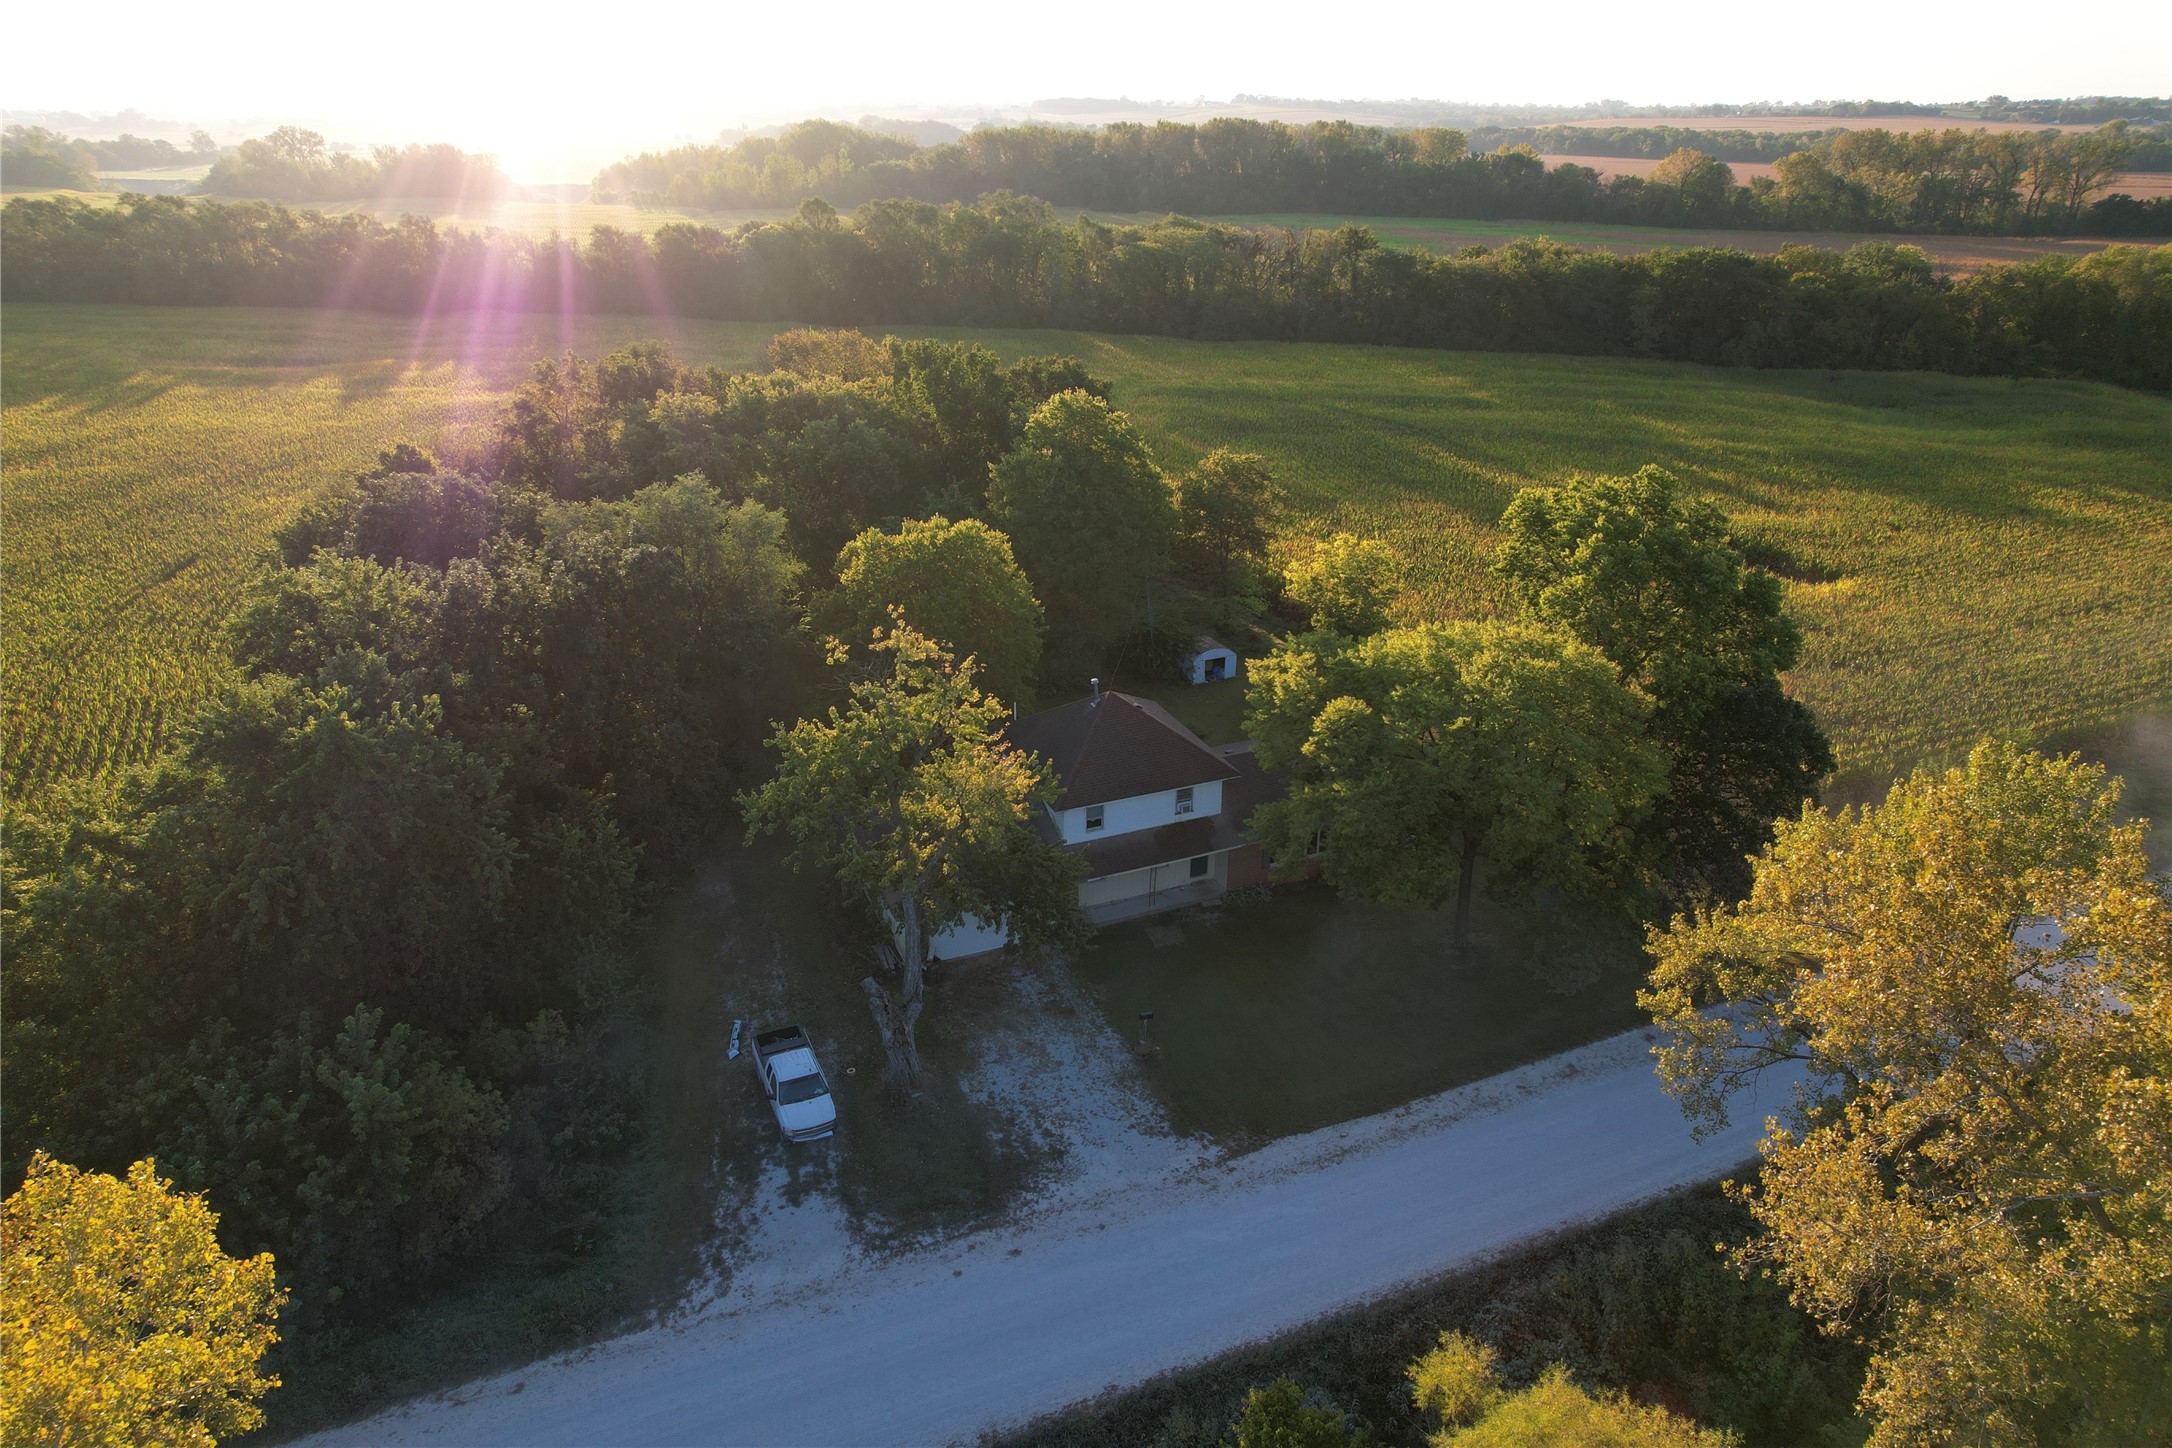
(1971, 556)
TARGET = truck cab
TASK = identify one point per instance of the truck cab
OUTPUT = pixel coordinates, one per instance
(798, 1092)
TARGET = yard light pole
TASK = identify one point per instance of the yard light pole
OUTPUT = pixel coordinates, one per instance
(1144, 1048)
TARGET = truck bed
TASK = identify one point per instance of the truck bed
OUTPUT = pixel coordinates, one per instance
(784, 1038)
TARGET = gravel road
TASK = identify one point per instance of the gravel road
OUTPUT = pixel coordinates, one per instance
(997, 1328)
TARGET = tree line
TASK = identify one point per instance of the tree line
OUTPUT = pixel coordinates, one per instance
(294, 164)
(2151, 145)
(1231, 166)
(33, 157)
(1011, 262)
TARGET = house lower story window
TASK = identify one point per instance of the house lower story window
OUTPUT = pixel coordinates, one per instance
(1199, 866)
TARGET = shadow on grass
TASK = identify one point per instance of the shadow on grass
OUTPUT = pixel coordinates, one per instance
(1301, 1010)
(909, 1167)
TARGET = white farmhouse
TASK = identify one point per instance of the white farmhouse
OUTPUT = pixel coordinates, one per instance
(1157, 812)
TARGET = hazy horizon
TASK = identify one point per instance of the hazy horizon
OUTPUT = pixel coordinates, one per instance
(555, 95)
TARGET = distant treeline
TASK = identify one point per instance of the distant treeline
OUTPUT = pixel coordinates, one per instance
(292, 164)
(1011, 262)
(1874, 180)
(2151, 147)
(32, 157)
(2059, 110)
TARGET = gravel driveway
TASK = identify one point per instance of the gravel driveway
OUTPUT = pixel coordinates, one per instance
(1106, 1288)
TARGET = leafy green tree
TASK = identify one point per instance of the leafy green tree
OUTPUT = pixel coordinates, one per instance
(913, 798)
(121, 1321)
(34, 156)
(847, 355)
(361, 1161)
(640, 633)
(1347, 585)
(400, 512)
(1977, 976)
(956, 582)
(1650, 578)
(1089, 516)
(1283, 1415)
(1704, 181)
(89, 958)
(1034, 380)
(297, 620)
(1457, 1389)
(1221, 531)
(335, 832)
(1422, 751)
(836, 459)
(964, 388)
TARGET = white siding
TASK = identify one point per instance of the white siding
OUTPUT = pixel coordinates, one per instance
(1140, 812)
(970, 936)
(1110, 888)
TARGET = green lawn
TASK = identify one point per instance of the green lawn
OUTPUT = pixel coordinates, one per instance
(1301, 1010)
(1975, 555)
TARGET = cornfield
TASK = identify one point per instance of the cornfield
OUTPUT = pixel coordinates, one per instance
(1968, 556)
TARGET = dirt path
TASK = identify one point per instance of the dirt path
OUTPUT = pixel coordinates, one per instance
(1104, 1287)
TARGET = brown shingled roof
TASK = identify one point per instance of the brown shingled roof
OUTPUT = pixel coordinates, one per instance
(1120, 747)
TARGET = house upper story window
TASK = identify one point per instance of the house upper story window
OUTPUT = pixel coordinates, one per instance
(1184, 800)
(1317, 845)
(1094, 817)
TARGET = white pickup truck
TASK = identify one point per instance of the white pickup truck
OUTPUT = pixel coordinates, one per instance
(794, 1084)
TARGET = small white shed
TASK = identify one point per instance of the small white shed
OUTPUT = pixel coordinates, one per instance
(1211, 660)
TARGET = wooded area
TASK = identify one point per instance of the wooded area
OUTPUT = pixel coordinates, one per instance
(1012, 262)
(1851, 180)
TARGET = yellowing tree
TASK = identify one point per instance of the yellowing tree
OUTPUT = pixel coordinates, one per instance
(1457, 1389)
(122, 1321)
(1978, 976)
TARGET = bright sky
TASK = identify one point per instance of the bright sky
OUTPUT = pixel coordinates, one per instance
(554, 87)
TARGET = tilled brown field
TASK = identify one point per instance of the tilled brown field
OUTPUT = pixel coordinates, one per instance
(2139, 184)
(1819, 123)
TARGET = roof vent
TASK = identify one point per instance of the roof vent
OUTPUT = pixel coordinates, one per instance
(1096, 682)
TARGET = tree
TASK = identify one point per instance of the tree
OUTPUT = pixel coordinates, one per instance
(1221, 529)
(1421, 751)
(1704, 181)
(1347, 585)
(337, 834)
(121, 1320)
(965, 389)
(911, 795)
(1651, 579)
(847, 355)
(1089, 516)
(1976, 976)
(956, 582)
(1283, 1415)
(1458, 1391)
(363, 1161)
